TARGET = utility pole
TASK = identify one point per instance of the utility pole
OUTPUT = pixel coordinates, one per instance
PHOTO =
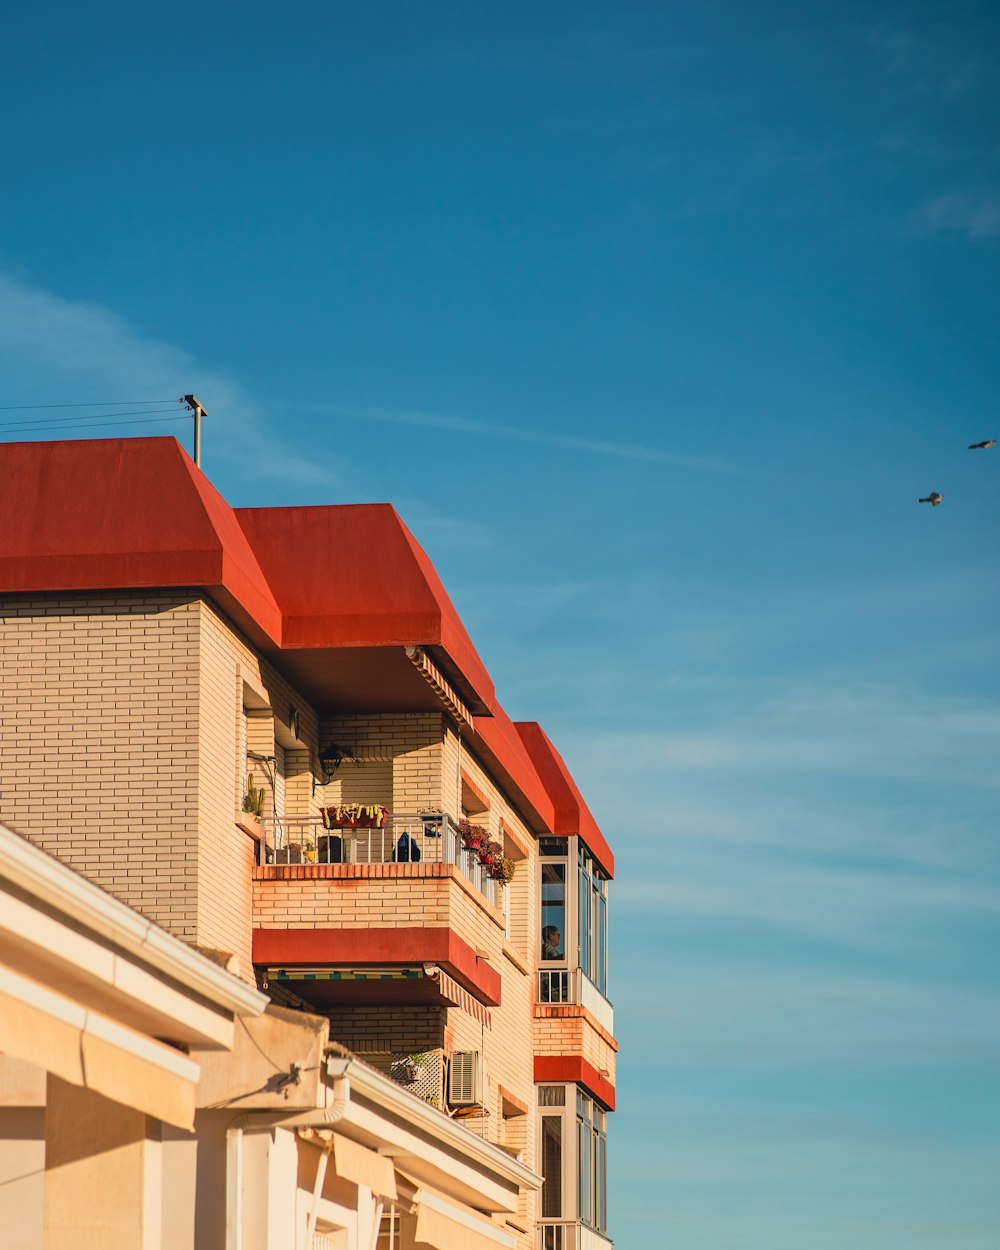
(197, 412)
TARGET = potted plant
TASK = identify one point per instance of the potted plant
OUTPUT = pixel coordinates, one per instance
(432, 819)
(501, 870)
(355, 816)
(490, 853)
(408, 1069)
(253, 800)
(251, 809)
(474, 837)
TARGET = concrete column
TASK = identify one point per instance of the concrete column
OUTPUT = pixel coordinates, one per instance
(102, 1173)
(270, 1181)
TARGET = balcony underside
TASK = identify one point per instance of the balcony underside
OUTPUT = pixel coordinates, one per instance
(327, 988)
(384, 953)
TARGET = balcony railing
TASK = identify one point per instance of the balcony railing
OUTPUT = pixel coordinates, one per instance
(570, 1235)
(558, 986)
(405, 839)
(558, 1235)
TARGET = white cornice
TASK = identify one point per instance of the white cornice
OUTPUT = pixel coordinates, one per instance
(56, 885)
(386, 1093)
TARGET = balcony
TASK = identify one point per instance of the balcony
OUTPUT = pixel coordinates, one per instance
(560, 987)
(569, 1235)
(405, 839)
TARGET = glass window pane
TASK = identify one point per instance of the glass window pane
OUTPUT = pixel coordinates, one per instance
(583, 1132)
(602, 944)
(601, 1183)
(583, 900)
(552, 1095)
(553, 911)
(551, 1167)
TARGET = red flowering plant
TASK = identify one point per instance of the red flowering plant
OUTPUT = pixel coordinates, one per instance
(474, 837)
(490, 853)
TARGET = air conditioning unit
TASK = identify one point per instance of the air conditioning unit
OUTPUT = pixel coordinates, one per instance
(467, 1079)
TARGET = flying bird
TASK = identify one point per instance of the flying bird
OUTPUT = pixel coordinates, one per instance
(984, 445)
(934, 498)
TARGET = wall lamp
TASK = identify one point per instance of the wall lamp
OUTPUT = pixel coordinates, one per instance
(330, 759)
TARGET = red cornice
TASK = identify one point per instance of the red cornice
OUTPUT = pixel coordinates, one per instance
(555, 1068)
(572, 815)
(353, 948)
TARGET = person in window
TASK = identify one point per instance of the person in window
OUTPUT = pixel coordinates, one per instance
(551, 941)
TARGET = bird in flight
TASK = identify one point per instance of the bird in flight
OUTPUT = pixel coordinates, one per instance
(934, 498)
(984, 445)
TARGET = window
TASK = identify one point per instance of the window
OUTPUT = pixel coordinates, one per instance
(574, 1156)
(593, 918)
(592, 1162)
(552, 1166)
(553, 910)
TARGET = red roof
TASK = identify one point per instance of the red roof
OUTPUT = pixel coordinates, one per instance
(572, 815)
(353, 575)
(498, 741)
(113, 514)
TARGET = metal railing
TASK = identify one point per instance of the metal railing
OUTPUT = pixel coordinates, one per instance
(404, 839)
(558, 985)
(558, 1235)
(570, 985)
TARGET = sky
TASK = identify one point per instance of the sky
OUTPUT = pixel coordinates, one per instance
(654, 321)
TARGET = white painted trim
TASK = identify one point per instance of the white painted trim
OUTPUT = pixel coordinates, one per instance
(52, 882)
(22, 990)
(418, 1114)
(594, 1001)
(425, 1198)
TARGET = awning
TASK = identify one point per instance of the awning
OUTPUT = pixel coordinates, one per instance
(447, 1227)
(453, 992)
(361, 1166)
(87, 1049)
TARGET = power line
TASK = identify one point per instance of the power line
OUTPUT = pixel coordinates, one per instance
(182, 416)
(97, 403)
(83, 418)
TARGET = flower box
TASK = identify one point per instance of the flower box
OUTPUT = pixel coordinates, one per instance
(250, 824)
(355, 816)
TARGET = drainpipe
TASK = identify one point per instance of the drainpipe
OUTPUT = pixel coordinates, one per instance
(234, 1150)
(341, 1097)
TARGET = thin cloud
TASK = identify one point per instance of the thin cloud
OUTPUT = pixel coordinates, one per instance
(85, 351)
(975, 216)
(565, 442)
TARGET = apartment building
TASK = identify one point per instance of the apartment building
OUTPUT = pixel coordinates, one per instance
(267, 732)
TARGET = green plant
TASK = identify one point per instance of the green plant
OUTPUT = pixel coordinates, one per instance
(253, 800)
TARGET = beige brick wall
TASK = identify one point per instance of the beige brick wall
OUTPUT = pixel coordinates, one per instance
(121, 750)
(99, 741)
(400, 760)
(225, 854)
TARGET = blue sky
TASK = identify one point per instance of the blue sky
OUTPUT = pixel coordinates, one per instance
(654, 321)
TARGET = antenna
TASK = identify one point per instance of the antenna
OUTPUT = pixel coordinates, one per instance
(197, 411)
